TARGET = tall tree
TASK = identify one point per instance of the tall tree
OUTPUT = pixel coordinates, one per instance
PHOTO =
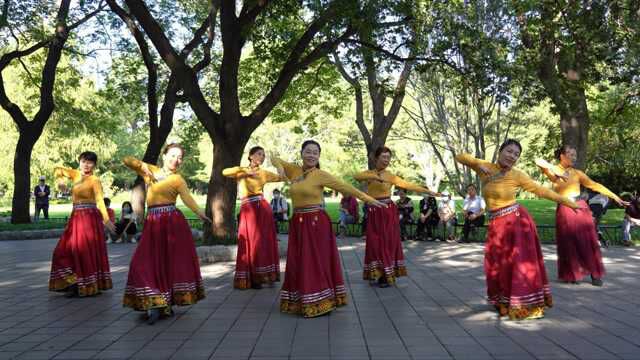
(365, 63)
(461, 95)
(30, 130)
(318, 29)
(159, 128)
(570, 47)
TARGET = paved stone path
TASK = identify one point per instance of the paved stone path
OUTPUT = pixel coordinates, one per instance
(438, 312)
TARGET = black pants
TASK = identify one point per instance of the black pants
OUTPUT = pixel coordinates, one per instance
(426, 228)
(404, 222)
(466, 229)
(45, 210)
(121, 225)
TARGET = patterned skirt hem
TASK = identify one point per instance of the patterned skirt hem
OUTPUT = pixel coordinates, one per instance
(86, 289)
(146, 302)
(313, 309)
(524, 312)
(390, 273)
(245, 283)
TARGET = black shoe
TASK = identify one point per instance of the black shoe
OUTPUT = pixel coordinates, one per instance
(153, 316)
(382, 282)
(596, 282)
(72, 291)
(256, 286)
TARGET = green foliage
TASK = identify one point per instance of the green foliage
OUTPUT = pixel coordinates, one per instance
(614, 149)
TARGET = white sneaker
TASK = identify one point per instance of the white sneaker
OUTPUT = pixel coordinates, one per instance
(119, 241)
(133, 241)
(109, 241)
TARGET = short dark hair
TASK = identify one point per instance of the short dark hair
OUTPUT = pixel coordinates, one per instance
(254, 150)
(381, 150)
(276, 191)
(473, 186)
(88, 156)
(107, 202)
(171, 146)
(562, 150)
(510, 142)
(127, 203)
(311, 142)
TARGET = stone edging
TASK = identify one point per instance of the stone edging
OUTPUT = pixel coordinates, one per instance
(222, 253)
(207, 254)
(31, 234)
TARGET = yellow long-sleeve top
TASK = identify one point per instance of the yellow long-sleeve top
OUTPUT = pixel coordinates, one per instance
(307, 187)
(165, 190)
(382, 189)
(251, 185)
(500, 189)
(575, 178)
(85, 189)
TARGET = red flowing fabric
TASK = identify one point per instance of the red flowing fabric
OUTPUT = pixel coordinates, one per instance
(257, 260)
(383, 253)
(577, 244)
(80, 257)
(313, 283)
(517, 281)
(164, 269)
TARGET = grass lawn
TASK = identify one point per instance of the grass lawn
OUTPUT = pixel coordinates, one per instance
(543, 211)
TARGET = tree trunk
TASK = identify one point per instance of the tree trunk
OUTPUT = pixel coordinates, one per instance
(221, 194)
(151, 156)
(575, 128)
(22, 175)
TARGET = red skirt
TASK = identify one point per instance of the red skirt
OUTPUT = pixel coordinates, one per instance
(577, 244)
(164, 269)
(257, 261)
(313, 283)
(383, 253)
(80, 258)
(517, 281)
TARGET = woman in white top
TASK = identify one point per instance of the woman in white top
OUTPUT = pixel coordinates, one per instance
(447, 214)
(473, 211)
(126, 226)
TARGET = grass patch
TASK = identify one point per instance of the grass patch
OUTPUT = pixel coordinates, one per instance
(543, 212)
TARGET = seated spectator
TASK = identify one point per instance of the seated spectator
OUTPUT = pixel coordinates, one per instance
(598, 205)
(447, 214)
(348, 213)
(405, 212)
(631, 219)
(112, 218)
(126, 228)
(473, 211)
(429, 219)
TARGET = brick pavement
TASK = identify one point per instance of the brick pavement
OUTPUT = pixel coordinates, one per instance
(438, 312)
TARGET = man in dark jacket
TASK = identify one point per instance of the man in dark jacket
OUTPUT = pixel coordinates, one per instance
(41, 193)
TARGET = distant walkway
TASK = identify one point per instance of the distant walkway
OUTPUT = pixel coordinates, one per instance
(438, 312)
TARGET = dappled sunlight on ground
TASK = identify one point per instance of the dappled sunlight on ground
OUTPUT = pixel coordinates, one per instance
(438, 311)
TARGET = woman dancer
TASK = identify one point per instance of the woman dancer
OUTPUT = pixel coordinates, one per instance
(517, 282)
(164, 269)
(384, 260)
(257, 261)
(576, 237)
(80, 265)
(313, 283)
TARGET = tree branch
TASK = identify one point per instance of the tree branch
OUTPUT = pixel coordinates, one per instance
(394, 56)
(295, 63)
(101, 7)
